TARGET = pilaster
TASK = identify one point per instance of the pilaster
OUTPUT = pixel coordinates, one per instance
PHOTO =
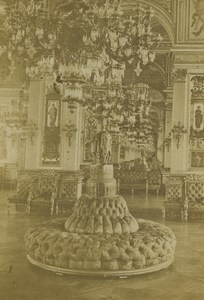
(179, 150)
(71, 138)
(36, 114)
(168, 127)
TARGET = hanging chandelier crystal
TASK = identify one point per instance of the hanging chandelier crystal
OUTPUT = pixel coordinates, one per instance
(85, 47)
(108, 39)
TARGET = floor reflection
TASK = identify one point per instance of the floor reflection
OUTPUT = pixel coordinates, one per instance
(21, 281)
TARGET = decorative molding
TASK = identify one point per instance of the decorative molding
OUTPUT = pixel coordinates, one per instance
(175, 179)
(194, 177)
(166, 4)
(181, 20)
(190, 57)
(169, 106)
(179, 75)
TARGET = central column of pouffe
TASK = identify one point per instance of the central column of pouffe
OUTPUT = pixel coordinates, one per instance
(101, 211)
(101, 237)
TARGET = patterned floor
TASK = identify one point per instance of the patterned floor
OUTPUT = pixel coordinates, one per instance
(184, 280)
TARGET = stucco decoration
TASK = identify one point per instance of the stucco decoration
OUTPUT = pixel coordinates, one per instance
(179, 75)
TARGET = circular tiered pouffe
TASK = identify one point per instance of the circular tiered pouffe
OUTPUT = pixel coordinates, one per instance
(101, 237)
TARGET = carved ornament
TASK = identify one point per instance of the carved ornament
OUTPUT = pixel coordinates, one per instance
(179, 75)
(198, 86)
(175, 180)
(194, 177)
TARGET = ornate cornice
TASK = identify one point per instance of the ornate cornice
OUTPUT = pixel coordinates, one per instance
(179, 75)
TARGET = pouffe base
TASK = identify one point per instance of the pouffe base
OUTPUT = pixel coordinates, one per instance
(104, 274)
(150, 249)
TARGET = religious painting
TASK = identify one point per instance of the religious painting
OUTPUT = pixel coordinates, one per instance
(53, 113)
(196, 23)
(197, 159)
(198, 122)
(51, 139)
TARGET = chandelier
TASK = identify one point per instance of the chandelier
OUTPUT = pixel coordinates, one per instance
(84, 48)
(108, 39)
(124, 110)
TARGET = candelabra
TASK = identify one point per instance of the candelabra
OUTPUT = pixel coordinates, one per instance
(178, 130)
(69, 130)
(28, 131)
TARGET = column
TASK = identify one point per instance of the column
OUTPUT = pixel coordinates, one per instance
(71, 151)
(35, 114)
(71, 138)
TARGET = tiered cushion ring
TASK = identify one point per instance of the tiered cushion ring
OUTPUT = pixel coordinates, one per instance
(61, 246)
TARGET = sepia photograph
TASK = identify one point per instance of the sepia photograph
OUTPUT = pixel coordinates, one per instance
(101, 149)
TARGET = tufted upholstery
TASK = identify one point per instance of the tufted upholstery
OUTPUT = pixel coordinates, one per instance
(173, 205)
(43, 193)
(185, 197)
(154, 180)
(50, 244)
(106, 215)
(133, 179)
(10, 176)
(194, 191)
(23, 186)
(134, 175)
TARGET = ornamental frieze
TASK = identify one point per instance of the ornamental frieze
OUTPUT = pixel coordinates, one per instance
(190, 57)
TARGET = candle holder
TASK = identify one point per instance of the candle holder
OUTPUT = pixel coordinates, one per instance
(167, 142)
(178, 130)
(69, 130)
